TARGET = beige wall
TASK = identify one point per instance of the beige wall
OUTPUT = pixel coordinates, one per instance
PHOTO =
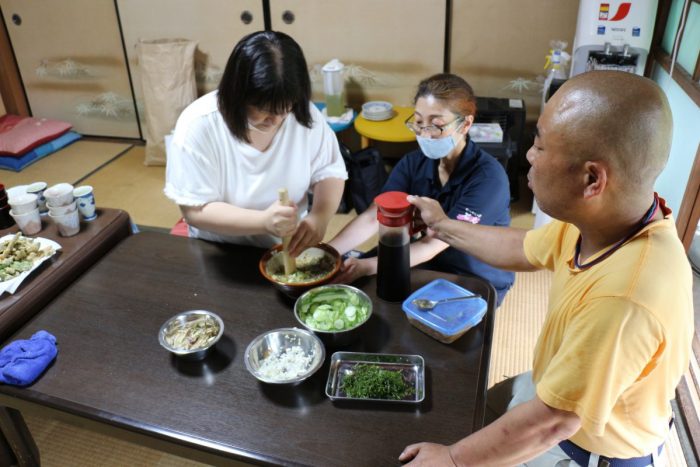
(496, 42)
(2, 107)
(388, 46)
(70, 56)
(214, 24)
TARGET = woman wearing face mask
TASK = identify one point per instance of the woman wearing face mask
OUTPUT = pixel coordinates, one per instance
(233, 148)
(469, 184)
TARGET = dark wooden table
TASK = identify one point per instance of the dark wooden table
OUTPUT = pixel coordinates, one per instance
(112, 374)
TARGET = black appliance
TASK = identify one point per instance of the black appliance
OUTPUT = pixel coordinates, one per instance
(510, 115)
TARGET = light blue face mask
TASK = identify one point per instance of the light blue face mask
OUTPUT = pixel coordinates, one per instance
(437, 148)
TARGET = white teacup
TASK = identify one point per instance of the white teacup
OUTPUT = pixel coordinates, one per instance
(38, 188)
(59, 194)
(62, 210)
(86, 202)
(23, 203)
(68, 224)
(28, 222)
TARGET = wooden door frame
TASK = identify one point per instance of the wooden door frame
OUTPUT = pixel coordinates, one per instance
(687, 217)
(11, 89)
(689, 212)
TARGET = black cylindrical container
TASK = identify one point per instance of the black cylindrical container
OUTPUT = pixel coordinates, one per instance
(393, 255)
(393, 268)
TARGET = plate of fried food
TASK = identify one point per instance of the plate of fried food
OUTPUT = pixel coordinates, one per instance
(19, 256)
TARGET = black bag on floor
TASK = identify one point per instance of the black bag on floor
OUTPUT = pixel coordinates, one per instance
(366, 177)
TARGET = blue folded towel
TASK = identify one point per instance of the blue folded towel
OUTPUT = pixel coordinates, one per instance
(22, 361)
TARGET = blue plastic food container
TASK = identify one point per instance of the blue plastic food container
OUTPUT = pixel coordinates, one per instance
(446, 322)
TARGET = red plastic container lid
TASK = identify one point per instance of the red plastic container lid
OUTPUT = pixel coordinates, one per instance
(393, 202)
(393, 209)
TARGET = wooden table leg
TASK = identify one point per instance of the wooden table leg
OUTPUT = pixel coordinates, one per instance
(17, 446)
(364, 142)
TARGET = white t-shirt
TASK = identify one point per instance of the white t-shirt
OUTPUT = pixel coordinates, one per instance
(206, 163)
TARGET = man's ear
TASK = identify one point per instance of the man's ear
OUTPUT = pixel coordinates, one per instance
(596, 178)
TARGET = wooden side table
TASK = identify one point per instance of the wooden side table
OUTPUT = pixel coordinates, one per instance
(77, 254)
(390, 131)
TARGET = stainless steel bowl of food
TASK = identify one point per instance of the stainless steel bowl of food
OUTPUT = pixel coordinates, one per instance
(284, 356)
(191, 334)
(334, 312)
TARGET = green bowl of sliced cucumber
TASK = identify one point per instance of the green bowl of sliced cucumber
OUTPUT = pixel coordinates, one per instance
(334, 312)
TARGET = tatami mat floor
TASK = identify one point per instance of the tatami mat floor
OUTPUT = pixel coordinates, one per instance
(125, 183)
(72, 164)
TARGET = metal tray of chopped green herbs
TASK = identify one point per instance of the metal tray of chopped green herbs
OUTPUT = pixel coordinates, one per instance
(376, 377)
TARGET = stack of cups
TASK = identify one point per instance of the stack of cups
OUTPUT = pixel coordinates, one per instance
(5, 218)
(25, 212)
(63, 208)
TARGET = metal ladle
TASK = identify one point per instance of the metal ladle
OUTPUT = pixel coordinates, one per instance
(423, 304)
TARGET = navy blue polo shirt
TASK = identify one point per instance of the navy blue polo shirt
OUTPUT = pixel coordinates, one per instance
(477, 192)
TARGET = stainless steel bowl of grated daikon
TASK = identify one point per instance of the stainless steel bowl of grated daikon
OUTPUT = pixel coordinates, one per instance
(284, 356)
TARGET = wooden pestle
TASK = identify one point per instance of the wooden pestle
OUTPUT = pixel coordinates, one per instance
(290, 264)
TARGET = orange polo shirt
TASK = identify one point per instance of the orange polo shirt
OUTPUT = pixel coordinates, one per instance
(617, 336)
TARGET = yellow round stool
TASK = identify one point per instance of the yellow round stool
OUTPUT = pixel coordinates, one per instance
(391, 131)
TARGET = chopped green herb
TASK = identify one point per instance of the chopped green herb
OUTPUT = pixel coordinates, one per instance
(373, 382)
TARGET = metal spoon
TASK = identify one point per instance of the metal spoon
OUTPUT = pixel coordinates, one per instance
(423, 304)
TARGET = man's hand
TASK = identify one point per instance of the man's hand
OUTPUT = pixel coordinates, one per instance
(427, 454)
(521, 434)
(430, 210)
(309, 232)
(354, 268)
(280, 220)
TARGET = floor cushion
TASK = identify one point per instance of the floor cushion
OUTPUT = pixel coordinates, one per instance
(17, 163)
(180, 229)
(19, 135)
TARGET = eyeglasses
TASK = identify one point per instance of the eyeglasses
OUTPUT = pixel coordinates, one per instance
(432, 130)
